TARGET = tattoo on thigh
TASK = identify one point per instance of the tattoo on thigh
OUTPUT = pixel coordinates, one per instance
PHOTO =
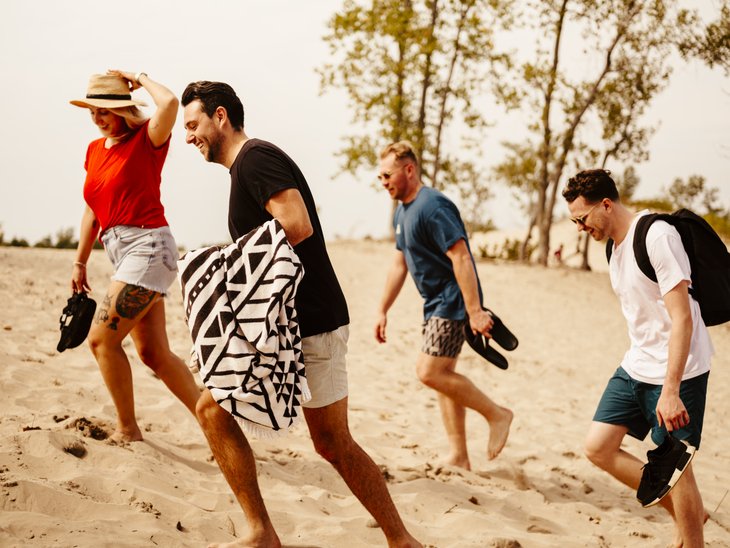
(103, 314)
(132, 300)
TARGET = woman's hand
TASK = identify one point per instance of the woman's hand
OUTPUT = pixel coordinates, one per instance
(130, 77)
(79, 283)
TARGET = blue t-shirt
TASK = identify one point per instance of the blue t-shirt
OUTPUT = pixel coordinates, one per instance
(424, 230)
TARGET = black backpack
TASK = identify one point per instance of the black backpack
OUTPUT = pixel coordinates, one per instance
(708, 258)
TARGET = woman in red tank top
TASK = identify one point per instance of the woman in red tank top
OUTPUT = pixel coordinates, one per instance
(122, 193)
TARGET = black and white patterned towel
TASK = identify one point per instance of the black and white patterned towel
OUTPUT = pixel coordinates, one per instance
(239, 306)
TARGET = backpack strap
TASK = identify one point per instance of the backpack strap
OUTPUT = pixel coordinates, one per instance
(640, 252)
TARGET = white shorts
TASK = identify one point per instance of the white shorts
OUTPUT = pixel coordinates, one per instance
(145, 257)
(325, 364)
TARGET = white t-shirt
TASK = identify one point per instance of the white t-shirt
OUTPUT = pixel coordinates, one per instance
(643, 305)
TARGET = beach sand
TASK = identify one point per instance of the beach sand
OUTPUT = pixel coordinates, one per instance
(59, 486)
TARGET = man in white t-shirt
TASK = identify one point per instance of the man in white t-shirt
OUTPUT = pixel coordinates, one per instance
(661, 384)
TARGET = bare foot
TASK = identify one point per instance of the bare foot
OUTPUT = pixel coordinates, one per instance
(407, 542)
(460, 461)
(498, 433)
(265, 540)
(125, 435)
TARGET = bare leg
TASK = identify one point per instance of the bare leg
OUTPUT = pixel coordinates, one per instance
(105, 339)
(150, 338)
(689, 513)
(332, 440)
(235, 458)
(438, 373)
(603, 448)
(453, 416)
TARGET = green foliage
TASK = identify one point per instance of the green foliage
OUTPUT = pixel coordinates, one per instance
(19, 242)
(660, 205)
(710, 43)
(626, 47)
(413, 70)
(509, 250)
(720, 222)
(65, 239)
(692, 194)
(44, 242)
(627, 183)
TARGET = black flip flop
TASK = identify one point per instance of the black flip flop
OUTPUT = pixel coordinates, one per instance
(76, 321)
(500, 334)
(480, 344)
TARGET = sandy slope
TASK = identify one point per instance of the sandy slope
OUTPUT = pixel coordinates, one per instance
(167, 491)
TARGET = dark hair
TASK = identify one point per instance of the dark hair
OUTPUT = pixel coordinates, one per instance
(213, 95)
(593, 184)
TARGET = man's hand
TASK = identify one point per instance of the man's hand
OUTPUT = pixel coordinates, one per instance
(481, 322)
(670, 411)
(380, 328)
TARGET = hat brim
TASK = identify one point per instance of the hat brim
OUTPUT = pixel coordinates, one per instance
(107, 103)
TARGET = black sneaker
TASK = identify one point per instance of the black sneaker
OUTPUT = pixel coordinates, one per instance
(666, 465)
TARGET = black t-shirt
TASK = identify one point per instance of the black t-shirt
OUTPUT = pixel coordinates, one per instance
(260, 170)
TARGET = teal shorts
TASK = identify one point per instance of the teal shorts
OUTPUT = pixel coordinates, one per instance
(631, 403)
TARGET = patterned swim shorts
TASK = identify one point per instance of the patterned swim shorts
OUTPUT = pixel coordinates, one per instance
(443, 337)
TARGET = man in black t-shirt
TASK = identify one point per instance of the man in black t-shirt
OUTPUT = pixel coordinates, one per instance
(266, 184)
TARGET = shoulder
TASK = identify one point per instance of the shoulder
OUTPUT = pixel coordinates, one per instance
(660, 230)
(257, 153)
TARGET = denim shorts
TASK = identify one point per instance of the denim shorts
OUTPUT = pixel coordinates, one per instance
(443, 337)
(631, 403)
(325, 364)
(145, 257)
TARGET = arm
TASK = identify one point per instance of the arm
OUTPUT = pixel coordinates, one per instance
(670, 410)
(89, 232)
(466, 276)
(393, 284)
(288, 207)
(163, 119)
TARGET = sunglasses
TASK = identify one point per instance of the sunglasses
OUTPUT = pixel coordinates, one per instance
(387, 175)
(581, 220)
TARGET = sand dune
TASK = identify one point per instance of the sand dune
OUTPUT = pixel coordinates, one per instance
(61, 486)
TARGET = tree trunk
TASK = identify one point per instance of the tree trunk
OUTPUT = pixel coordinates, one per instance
(544, 216)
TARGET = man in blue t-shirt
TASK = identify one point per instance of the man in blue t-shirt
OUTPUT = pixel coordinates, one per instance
(432, 245)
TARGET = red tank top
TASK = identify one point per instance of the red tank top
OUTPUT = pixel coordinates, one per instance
(122, 184)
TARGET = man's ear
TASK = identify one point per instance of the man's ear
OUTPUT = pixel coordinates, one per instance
(220, 115)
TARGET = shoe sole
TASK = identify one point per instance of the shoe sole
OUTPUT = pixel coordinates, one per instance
(678, 471)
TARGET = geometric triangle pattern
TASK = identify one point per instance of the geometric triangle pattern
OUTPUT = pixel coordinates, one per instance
(239, 306)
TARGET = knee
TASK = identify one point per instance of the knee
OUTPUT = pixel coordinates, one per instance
(595, 453)
(207, 410)
(99, 343)
(152, 357)
(427, 375)
(332, 448)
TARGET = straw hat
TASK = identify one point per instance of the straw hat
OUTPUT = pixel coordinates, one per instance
(107, 91)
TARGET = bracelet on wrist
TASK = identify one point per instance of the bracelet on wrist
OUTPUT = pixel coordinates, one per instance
(79, 263)
(138, 76)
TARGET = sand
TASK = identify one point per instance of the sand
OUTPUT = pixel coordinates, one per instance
(59, 486)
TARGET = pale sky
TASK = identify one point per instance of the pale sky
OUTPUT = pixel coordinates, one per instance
(267, 50)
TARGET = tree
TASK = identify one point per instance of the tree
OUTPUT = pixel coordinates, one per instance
(711, 43)
(65, 239)
(412, 70)
(44, 242)
(592, 116)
